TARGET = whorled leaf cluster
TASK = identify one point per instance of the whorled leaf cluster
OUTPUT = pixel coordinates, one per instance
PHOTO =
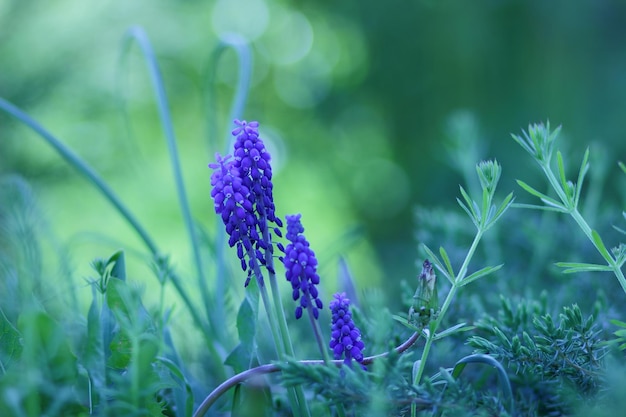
(547, 359)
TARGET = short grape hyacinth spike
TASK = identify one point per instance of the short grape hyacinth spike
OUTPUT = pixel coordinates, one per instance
(233, 202)
(345, 337)
(301, 268)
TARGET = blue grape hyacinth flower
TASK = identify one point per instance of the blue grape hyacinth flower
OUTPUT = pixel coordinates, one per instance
(243, 196)
(345, 340)
(253, 162)
(232, 201)
(301, 268)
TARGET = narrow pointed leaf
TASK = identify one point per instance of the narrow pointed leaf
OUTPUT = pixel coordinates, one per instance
(470, 203)
(584, 167)
(561, 165)
(506, 203)
(536, 207)
(539, 194)
(446, 260)
(468, 211)
(438, 263)
(574, 267)
(461, 327)
(480, 273)
(597, 241)
(523, 144)
(405, 322)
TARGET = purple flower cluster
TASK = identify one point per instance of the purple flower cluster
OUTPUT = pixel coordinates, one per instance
(301, 268)
(253, 162)
(242, 195)
(345, 337)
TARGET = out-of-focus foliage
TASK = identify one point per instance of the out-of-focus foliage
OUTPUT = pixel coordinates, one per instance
(355, 97)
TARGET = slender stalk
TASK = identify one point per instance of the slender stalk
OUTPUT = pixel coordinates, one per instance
(280, 312)
(296, 395)
(242, 50)
(317, 332)
(582, 223)
(81, 166)
(272, 368)
(444, 308)
(142, 40)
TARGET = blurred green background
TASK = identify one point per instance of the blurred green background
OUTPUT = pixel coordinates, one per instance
(359, 102)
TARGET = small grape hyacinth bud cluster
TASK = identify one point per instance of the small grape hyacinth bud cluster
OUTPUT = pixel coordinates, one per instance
(345, 338)
(242, 193)
(301, 268)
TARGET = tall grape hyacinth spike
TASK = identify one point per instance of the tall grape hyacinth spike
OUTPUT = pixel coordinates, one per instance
(345, 338)
(242, 192)
(301, 268)
(253, 162)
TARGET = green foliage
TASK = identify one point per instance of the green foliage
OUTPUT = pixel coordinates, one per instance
(547, 358)
(121, 358)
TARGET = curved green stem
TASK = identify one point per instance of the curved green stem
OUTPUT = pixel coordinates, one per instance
(240, 46)
(272, 368)
(77, 163)
(139, 35)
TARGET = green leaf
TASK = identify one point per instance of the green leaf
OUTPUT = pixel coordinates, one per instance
(437, 262)
(618, 323)
(506, 204)
(622, 166)
(117, 297)
(446, 260)
(461, 327)
(405, 322)
(180, 376)
(480, 273)
(48, 346)
(119, 265)
(561, 166)
(121, 348)
(239, 359)
(547, 200)
(10, 346)
(597, 241)
(536, 207)
(503, 378)
(246, 324)
(584, 167)
(574, 267)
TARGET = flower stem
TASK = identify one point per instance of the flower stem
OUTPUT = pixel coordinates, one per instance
(446, 304)
(296, 394)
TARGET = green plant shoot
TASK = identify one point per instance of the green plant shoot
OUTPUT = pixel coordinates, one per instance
(425, 301)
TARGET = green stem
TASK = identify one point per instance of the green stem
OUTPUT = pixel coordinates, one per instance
(296, 395)
(74, 160)
(142, 40)
(242, 50)
(280, 313)
(317, 332)
(584, 226)
(444, 308)
(271, 368)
